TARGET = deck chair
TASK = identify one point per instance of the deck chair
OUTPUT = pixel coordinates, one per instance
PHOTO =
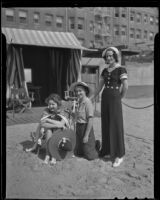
(20, 100)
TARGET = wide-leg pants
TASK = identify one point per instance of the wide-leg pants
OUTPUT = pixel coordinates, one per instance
(112, 124)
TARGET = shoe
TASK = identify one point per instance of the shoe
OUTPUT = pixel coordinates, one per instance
(117, 162)
(46, 161)
(29, 150)
(53, 161)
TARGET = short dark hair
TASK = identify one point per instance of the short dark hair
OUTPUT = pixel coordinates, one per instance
(55, 97)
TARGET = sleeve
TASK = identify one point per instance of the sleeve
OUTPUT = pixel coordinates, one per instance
(123, 73)
(89, 109)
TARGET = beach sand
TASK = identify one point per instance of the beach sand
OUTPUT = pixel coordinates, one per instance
(77, 178)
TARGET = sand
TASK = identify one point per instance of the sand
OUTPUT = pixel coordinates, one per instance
(77, 178)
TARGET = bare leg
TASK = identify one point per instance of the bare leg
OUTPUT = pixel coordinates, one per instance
(38, 132)
(48, 136)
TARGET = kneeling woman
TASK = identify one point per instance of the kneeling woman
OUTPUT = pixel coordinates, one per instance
(85, 139)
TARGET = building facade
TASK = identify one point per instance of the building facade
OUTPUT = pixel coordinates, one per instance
(96, 27)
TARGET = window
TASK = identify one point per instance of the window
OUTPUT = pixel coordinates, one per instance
(132, 16)
(59, 21)
(9, 15)
(145, 35)
(91, 26)
(36, 18)
(138, 34)
(124, 30)
(99, 26)
(108, 28)
(116, 12)
(71, 22)
(48, 19)
(116, 30)
(80, 23)
(132, 33)
(124, 12)
(151, 36)
(23, 16)
(145, 19)
(151, 19)
(138, 17)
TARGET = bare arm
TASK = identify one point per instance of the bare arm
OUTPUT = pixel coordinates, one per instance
(124, 88)
(99, 88)
(88, 129)
(51, 123)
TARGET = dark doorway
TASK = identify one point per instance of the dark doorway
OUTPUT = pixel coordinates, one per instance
(37, 59)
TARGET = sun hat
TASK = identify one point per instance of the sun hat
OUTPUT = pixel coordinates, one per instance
(83, 84)
(62, 143)
(113, 49)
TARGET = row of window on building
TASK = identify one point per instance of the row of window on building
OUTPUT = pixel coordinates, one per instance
(23, 16)
(97, 28)
(134, 33)
(136, 17)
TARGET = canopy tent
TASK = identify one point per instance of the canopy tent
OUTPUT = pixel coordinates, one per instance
(123, 48)
(64, 54)
(42, 38)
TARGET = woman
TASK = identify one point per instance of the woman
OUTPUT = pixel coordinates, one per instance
(52, 119)
(85, 139)
(114, 78)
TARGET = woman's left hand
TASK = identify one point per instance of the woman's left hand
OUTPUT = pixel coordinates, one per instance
(85, 139)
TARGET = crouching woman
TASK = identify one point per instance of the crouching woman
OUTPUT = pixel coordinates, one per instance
(53, 118)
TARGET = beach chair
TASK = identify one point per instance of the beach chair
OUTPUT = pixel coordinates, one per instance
(20, 101)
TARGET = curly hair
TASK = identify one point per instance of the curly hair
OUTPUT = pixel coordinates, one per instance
(55, 97)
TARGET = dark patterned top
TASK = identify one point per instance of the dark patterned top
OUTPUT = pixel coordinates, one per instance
(113, 79)
(58, 115)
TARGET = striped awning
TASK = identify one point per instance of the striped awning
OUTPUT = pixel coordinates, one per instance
(41, 38)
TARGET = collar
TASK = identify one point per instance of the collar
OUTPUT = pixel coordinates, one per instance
(112, 68)
(83, 101)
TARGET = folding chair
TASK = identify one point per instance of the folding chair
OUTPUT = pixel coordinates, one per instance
(20, 97)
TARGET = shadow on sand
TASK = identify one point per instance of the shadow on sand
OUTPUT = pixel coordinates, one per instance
(41, 152)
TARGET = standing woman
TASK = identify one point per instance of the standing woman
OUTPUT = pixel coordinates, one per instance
(114, 78)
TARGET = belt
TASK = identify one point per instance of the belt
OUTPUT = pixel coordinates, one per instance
(112, 87)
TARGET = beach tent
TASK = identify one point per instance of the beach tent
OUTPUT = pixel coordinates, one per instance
(53, 57)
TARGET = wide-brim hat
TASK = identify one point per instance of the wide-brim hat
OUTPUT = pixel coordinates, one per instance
(55, 144)
(113, 49)
(83, 84)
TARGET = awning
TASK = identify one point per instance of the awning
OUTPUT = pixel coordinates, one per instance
(129, 52)
(92, 61)
(42, 38)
